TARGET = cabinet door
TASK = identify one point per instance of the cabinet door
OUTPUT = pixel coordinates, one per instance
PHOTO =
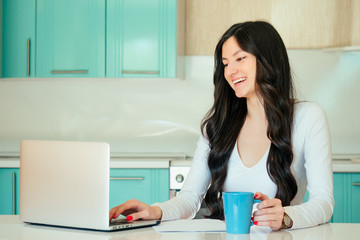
(18, 38)
(9, 191)
(146, 185)
(355, 198)
(347, 197)
(70, 38)
(141, 38)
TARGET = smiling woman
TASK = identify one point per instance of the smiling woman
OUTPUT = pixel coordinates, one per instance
(240, 68)
(256, 138)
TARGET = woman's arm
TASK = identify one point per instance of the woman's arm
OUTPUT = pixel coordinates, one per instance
(188, 201)
(318, 165)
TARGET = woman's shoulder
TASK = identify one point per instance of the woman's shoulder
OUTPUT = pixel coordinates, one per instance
(308, 114)
(307, 109)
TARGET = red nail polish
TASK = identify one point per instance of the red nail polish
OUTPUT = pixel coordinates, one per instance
(255, 223)
(114, 216)
(129, 218)
(252, 218)
(256, 196)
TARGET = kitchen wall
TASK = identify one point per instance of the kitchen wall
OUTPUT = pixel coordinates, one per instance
(134, 115)
(0, 38)
(164, 115)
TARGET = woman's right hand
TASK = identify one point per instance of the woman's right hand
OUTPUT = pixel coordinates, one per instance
(134, 209)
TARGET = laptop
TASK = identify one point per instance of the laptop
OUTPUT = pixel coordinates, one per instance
(66, 184)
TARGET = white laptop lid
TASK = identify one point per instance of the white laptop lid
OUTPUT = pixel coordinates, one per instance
(65, 183)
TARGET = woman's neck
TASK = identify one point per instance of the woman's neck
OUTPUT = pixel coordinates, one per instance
(255, 108)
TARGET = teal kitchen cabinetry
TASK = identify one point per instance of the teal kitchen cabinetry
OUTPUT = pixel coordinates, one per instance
(9, 191)
(146, 185)
(18, 38)
(90, 38)
(347, 197)
(141, 38)
(70, 38)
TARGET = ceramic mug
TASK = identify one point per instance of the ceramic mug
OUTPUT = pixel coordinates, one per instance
(238, 210)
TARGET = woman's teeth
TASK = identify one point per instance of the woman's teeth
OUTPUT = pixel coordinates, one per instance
(240, 80)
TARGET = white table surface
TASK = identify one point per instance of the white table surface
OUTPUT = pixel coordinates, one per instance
(12, 228)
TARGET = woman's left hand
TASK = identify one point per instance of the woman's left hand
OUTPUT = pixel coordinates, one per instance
(270, 212)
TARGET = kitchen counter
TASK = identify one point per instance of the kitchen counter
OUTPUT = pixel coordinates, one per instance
(12, 228)
(117, 160)
(164, 160)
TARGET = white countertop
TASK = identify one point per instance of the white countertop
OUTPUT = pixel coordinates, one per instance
(12, 228)
(164, 162)
(115, 162)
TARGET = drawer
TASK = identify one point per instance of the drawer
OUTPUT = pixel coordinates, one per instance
(146, 185)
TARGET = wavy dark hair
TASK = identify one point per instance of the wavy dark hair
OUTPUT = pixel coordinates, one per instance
(223, 122)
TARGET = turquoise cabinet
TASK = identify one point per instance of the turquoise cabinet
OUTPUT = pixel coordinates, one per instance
(347, 197)
(89, 38)
(9, 190)
(18, 38)
(141, 38)
(146, 185)
(70, 38)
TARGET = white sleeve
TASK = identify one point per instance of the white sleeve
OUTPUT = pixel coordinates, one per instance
(319, 174)
(188, 201)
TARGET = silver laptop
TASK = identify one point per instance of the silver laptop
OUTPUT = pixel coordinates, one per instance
(67, 184)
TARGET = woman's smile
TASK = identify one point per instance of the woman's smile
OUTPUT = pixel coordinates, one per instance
(239, 68)
(238, 80)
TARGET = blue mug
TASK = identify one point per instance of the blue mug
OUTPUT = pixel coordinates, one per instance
(238, 210)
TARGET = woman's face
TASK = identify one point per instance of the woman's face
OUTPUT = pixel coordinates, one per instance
(240, 69)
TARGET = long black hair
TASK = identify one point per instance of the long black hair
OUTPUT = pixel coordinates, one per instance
(223, 122)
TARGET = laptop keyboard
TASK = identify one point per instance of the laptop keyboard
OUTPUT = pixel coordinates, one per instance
(118, 222)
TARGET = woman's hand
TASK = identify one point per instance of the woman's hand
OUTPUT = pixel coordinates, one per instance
(270, 212)
(134, 209)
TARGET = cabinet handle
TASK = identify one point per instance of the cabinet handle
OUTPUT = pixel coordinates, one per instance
(13, 193)
(28, 58)
(140, 72)
(68, 71)
(126, 178)
(356, 184)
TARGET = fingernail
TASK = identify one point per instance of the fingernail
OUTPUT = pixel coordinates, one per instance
(129, 218)
(256, 196)
(252, 218)
(114, 215)
(255, 223)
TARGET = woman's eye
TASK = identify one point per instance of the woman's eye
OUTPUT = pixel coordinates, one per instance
(241, 58)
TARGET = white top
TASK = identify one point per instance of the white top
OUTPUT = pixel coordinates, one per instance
(312, 169)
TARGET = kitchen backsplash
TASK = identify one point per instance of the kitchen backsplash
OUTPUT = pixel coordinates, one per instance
(164, 115)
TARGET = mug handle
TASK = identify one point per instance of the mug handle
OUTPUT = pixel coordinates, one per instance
(255, 201)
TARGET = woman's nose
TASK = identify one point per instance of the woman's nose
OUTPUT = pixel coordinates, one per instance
(231, 69)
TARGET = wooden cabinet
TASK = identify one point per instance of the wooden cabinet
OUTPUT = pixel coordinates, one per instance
(302, 24)
(347, 197)
(9, 191)
(141, 38)
(146, 185)
(18, 38)
(70, 38)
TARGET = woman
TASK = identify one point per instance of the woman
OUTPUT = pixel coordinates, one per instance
(255, 138)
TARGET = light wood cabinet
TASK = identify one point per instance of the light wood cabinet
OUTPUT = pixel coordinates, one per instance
(302, 24)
